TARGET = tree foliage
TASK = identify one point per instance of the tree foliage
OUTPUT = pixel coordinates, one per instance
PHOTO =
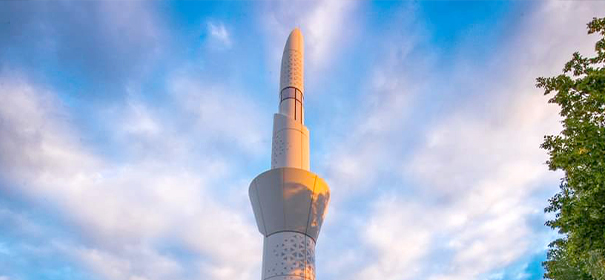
(579, 151)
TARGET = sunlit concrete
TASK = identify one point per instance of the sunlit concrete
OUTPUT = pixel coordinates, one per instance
(289, 201)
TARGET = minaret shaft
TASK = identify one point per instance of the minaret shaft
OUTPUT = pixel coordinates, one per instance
(289, 201)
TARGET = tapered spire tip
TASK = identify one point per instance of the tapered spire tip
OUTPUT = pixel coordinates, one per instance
(292, 67)
(295, 40)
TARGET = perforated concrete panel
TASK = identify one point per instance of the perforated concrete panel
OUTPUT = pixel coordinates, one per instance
(289, 255)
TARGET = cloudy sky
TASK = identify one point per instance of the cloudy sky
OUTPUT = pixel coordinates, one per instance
(129, 132)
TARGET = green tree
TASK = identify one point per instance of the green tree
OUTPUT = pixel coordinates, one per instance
(579, 151)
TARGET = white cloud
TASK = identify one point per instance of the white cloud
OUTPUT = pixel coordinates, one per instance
(398, 236)
(375, 131)
(105, 43)
(467, 197)
(219, 33)
(139, 120)
(124, 210)
(457, 207)
(221, 113)
(326, 26)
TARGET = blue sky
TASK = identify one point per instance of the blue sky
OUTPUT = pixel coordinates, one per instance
(129, 132)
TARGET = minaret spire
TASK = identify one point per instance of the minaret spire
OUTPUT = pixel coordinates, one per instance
(290, 135)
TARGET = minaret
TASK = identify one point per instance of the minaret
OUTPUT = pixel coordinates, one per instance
(289, 201)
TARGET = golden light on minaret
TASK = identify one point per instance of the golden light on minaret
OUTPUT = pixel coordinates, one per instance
(288, 200)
